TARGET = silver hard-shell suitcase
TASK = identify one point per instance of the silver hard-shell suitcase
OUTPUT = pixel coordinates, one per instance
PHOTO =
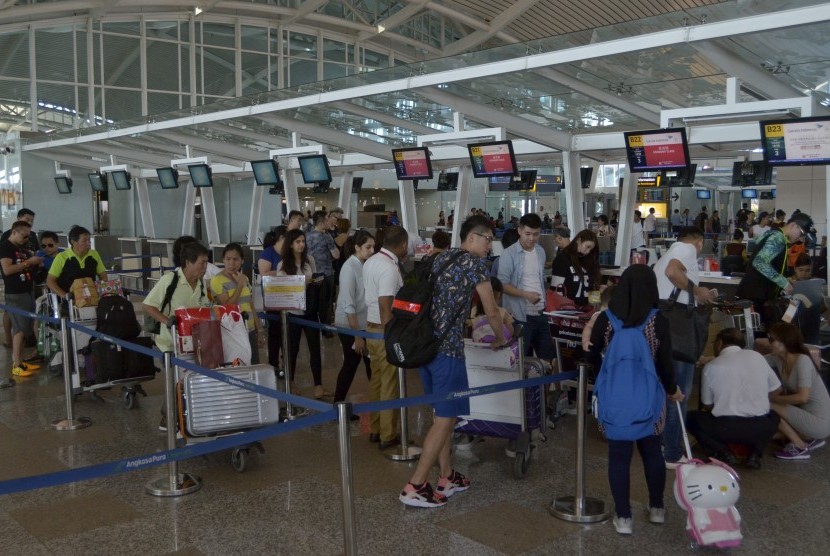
(210, 406)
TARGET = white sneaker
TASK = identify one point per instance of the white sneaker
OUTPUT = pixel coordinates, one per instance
(657, 515)
(623, 525)
(671, 465)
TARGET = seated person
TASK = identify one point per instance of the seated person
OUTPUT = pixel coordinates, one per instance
(736, 386)
(803, 404)
(809, 292)
(734, 254)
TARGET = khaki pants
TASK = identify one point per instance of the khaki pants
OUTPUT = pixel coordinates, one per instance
(383, 386)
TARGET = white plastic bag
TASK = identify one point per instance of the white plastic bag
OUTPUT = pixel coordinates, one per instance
(235, 341)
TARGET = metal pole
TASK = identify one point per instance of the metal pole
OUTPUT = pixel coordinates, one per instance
(70, 423)
(344, 413)
(173, 483)
(578, 508)
(405, 452)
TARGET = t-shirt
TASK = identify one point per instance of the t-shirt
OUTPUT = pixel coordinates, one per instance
(21, 282)
(33, 242)
(530, 281)
(687, 255)
(453, 292)
(637, 239)
(47, 260)
(270, 254)
(758, 230)
(381, 278)
(737, 383)
(564, 273)
(183, 296)
(650, 223)
(319, 246)
(221, 284)
(804, 375)
(67, 267)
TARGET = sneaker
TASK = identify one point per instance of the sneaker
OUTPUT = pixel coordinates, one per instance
(673, 464)
(163, 423)
(7, 383)
(624, 525)
(791, 451)
(815, 444)
(656, 515)
(21, 370)
(456, 482)
(30, 366)
(421, 497)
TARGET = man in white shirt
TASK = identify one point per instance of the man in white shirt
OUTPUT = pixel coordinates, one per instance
(761, 227)
(736, 386)
(381, 281)
(637, 233)
(677, 269)
(650, 223)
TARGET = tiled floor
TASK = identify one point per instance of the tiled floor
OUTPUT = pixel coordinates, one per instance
(288, 501)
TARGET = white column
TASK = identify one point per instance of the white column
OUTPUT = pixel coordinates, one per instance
(344, 201)
(462, 202)
(256, 214)
(573, 192)
(189, 209)
(628, 198)
(144, 207)
(409, 219)
(292, 196)
(209, 214)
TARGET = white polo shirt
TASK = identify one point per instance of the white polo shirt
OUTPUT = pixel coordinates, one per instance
(687, 255)
(737, 383)
(381, 278)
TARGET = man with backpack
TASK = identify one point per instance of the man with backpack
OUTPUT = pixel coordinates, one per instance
(462, 272)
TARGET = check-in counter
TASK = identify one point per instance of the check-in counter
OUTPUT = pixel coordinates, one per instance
(161, 250)
(134, 250)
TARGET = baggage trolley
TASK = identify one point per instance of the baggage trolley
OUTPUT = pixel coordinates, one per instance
(209, 408)
(566, 332)
(513, 414)
(48, 334)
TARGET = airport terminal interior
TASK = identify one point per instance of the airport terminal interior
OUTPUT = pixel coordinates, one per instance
(144, 121)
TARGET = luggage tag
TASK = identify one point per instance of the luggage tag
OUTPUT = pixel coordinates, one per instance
(789, 314)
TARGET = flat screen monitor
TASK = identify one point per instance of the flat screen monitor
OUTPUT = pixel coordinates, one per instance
(494, 158)
(703, 194)
(524, 181)
(585, 175)
(799, 142)
(749, 194)
(751, 172)
(168, 177)
(98, 181)
(266, 172)
(314, 168)
(200, 175)
(357, 184)
(447, 181)
(412, 164)
(64, 184)
(683, 177)
(549, 183)
(654, 195)
(496, 184)
(121, 179)
(657, 149)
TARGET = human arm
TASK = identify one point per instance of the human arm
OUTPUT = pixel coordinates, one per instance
(347, 301)
(265, 268)
(156, 314)
(597, 343)
(771, 248)
(663, 359)
(804, 373)
(10, 267)
(491, 309)
(100, 269)
(676, 273)
(385, 308)
(588, 330)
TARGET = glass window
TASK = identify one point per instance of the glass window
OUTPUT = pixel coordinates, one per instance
(610, 174)
(302, 72)
(302, 46)
(254, 38)
(254, 73)
(163, 73)
(334, 51)
(218, 34)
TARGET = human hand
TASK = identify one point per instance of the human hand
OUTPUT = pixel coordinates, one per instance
(34, 261)
(789, 289)
(240, 279)
(677, 396)
(704, 295)
(359, 346)
(533, 297)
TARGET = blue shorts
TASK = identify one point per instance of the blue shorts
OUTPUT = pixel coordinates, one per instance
(443, 375)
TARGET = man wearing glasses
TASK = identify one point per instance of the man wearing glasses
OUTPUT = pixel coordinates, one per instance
(48, 248)
(764, 279)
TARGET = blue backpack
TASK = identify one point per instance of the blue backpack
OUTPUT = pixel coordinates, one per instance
(628, 396)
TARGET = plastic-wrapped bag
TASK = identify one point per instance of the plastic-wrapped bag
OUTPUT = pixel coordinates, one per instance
(235, 341)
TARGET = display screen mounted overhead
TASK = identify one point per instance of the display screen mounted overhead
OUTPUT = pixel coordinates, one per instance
(168, 177)
(121, 179)
(657, 149)
(412, 164)
(749, 193)
(98, 181)
(64, 184)
(201, 175)
(800, 142)
(703, 194)
(495, 158)
(266, 172)
(314, 168)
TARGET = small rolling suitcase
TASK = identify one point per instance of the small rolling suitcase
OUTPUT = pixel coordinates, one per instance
(208, 406)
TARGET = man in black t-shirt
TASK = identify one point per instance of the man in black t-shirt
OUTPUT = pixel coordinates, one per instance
(24, 215)
(19, 264)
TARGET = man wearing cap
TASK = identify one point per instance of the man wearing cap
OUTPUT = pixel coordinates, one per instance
(764, 278)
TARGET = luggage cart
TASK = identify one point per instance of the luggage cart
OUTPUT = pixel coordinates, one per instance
(48, 335)
(739, 314)
(512, 414)
(566, 332)
(209, 409)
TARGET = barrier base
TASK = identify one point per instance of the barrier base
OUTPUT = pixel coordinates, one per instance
(71, 424)
(411, 453)
(160, 486)
(593, 510)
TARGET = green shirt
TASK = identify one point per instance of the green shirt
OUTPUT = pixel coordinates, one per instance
(183, 296)
(773, 246)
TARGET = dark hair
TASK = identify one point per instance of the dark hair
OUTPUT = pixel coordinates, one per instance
(394, 236)
(763, 214)
(289, 265)
(180, 242)
(474, 223)
(530, 220)
(802, 220)
(789, 335)
(441, 239)
(359, 238)
(509, 237)
(17, 224)
(75, 233)
(780, 213)
(497, 287)
(802, 260)
(589, 262)
(233, 247)
(607, 294)
(731, 337)
(690, 232)
(638, 213)
(294, 213)
(50, 235)
(738, 235)
(319, 216)
(25, 212)
(603, 219)
(192, 251)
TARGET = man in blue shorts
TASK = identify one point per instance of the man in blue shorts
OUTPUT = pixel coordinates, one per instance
(467, 273)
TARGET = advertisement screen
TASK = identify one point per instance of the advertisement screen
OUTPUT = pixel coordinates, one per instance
(493, 159)
(658, 149)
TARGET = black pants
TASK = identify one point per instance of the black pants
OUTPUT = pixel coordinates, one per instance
(274, 338)
(715, 433)
(312, 338)
(619, 472)
(351, 361)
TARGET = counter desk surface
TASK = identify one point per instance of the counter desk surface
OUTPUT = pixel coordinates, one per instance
(705, 278)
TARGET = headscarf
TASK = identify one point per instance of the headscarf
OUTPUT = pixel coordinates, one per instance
(635, 296)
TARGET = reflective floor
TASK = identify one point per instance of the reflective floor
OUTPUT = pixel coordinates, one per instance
(289, 500)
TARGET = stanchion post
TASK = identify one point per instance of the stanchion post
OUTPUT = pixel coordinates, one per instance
(578, 508)
(344, 413)
(405, 452)
(70, 423)
(173, 483)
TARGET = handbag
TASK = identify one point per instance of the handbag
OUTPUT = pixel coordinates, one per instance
(236, 343)
(555, 301)
(207, 344)
(689, 325)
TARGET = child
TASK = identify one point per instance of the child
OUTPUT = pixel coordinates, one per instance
(605, 298)
(482, 331)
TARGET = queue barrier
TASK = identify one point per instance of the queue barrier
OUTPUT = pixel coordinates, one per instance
(342, 413)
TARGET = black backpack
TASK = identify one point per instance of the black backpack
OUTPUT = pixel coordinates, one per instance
(409, 335)
(116, 318)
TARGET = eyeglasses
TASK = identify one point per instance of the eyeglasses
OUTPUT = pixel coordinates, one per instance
(47, 245)
(489, 239)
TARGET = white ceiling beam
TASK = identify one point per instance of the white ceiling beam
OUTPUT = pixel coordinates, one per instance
(306, 8)
(369, 113)
(271, 140)
(499, 22)
(216, 149)
(395, 20)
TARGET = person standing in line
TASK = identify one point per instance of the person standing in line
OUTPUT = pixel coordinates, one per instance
(381, 281)
(677, 269)
(637, 234)
(650, 224)
(714, 223)
(28, 216)
(447, 373)
(321, 247)
(267, 264)
(676, 221)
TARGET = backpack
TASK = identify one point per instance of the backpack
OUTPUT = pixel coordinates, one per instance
(116, 318)
(628, 396)
(150, 324)
(409, 335)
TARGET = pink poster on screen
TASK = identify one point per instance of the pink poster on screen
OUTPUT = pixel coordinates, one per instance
(664, 149)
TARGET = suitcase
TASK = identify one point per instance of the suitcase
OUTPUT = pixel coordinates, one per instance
(111, 362)
(208, 406)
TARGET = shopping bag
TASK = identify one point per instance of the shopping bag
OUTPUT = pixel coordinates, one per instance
(207, 344)
(236, 343)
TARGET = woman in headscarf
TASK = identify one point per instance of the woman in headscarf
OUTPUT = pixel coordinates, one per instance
(632, 303)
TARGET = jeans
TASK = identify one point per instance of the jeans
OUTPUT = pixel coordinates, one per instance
(673, 446)
(537, 337)
(351, 360)
(312, 338)
(619, 472)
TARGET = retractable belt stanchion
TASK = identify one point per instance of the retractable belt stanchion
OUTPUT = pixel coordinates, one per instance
(578, 508)
(173, 483)
(71, 423)
(405, 452)
(344, 413)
